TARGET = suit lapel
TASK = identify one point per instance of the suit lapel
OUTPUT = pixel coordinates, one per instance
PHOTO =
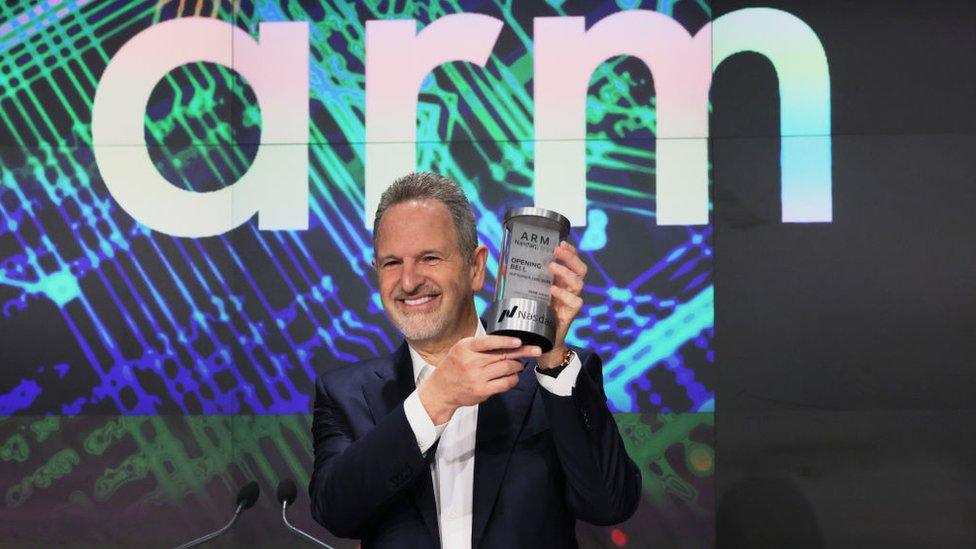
(393, 384)
(500, 420)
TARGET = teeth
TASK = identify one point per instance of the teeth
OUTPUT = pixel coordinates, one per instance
(419, 300)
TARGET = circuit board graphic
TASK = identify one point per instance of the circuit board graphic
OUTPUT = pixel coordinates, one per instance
(149, 376)
(143, 323)
(113, 481)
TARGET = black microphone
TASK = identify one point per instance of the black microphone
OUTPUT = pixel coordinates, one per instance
(287, 491)
(246, 498)
(286, 496)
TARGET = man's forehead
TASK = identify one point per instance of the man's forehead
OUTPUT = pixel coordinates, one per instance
(415, 225)
(428, 206)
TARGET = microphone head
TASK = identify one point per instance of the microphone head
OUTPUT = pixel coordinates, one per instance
(287, 491)
(248, 495)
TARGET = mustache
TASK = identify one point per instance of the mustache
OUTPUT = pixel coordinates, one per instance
(423, 289)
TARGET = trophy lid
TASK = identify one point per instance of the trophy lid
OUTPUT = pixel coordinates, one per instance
(554, 219)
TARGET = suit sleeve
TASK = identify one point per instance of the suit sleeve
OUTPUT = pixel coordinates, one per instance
(603, 484)
(352, 480)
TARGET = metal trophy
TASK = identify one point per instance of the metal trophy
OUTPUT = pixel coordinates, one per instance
(521, 305)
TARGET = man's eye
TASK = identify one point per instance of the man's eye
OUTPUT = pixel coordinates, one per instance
(431, 259)
(389, 264)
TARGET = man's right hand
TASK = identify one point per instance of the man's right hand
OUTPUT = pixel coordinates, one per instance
(473, 369)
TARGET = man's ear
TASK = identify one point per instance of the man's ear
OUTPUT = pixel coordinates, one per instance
(479, 259)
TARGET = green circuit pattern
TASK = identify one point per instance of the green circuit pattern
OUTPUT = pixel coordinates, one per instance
(186, 468)
(77, 448)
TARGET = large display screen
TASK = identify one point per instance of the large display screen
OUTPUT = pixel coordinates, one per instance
(161, 328)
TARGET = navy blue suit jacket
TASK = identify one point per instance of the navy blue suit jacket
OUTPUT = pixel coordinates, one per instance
(541, 461)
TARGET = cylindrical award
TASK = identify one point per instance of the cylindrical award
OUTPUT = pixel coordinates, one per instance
(521, 305)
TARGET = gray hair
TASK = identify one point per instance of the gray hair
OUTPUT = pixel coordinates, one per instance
(432, 186)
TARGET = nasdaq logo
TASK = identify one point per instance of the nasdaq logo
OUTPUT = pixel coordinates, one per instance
(507, 313)
(515, 314)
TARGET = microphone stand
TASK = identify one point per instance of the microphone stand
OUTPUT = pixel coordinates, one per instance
(299, 533)
(212, 535)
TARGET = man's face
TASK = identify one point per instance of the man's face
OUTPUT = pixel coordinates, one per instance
(426, 284)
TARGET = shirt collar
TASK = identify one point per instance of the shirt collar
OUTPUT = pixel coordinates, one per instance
(419, 363)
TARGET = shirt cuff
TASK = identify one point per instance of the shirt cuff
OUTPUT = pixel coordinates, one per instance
(423, 427)
(565, 382)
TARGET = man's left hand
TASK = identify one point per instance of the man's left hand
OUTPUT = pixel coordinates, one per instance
(568, 272)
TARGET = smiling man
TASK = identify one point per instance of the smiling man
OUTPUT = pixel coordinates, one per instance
(462, 439)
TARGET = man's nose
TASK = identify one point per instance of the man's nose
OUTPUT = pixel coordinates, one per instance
(413, 277)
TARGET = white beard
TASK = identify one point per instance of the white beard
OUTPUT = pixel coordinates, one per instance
(421, 326)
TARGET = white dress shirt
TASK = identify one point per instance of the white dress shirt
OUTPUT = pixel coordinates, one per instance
(452, 470)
